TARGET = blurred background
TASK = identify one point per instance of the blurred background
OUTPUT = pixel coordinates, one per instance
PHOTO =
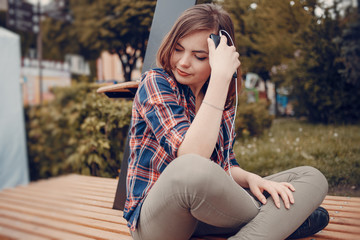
(300, 62)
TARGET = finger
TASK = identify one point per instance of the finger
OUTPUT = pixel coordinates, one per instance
(233, 48)
(223, 39)
(238, 63)
(211, 45)
(285, 197)
(274, 194)
(258, 194)
(290, 195)
(291, 187)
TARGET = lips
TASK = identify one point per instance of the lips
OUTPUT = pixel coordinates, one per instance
(181, 73)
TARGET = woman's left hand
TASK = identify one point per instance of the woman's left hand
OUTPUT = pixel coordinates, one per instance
(284, 190)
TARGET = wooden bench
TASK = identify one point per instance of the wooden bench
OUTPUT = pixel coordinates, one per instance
(80, 207)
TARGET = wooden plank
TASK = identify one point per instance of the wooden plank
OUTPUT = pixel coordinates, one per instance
(340, 214)
(38, 200)
(9, 233)
(33, 229)
(120, 90)
(344, 199)
(120, 87)
(343, 228)
(345, 221)
(56, 192)
(348, 208)
(102, 184)
(330, 235)
(340, 203)
(99, 190)
(63, 216)
(63, 226)
(66, 197)
(68, 210)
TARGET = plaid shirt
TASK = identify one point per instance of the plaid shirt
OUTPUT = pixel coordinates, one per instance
(163, 110)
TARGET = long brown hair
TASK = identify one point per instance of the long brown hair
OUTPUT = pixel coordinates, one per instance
(199, 17)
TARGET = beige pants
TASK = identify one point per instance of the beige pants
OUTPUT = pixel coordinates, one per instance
(195, 197)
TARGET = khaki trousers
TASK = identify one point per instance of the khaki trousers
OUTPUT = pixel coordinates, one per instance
(195, 197)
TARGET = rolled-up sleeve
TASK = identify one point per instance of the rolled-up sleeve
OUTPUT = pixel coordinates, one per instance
(159, 107)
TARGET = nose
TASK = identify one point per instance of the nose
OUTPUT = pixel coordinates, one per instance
(184, 61)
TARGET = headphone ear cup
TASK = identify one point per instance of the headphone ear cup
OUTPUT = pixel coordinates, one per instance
(216, 39)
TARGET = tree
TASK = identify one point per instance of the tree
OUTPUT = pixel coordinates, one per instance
(322, 94)
(267, 31)
(121, 27)
(350, 51)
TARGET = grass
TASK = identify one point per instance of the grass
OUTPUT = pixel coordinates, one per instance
(333, 149)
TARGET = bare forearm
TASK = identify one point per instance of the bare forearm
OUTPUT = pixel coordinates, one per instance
(203, 133)
(241, 176)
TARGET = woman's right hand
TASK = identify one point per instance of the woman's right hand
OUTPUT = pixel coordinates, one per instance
(223, 60)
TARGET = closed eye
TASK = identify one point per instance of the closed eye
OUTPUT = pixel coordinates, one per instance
(201, 58)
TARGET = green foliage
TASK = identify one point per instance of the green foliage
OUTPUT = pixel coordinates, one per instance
(252, 119)
(322, 94)
(266, 35)
(80, 131)
(333, 149)
(121, 27)
(59, 39)
(350, 52)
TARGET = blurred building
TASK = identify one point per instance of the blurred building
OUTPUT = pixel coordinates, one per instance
(110, 70)
(54, 74)
(256, 88)
(77, 64)
(3, 5)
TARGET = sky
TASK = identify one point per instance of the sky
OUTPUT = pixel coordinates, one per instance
(43, 2)
(328, 3)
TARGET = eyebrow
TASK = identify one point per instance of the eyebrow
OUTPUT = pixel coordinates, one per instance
(195, 51)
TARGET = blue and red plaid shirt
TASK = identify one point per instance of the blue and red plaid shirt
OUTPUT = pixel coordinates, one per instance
(163, 111)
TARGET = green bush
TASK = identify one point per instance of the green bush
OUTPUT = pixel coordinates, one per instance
(78, 132)
(252, 119)
(321, 93)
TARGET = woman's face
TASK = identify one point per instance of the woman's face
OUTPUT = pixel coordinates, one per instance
(190, 60)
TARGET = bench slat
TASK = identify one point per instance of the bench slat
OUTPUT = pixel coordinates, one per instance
(77, 210)
(54, 193)
(33, 229)
(64, 216)
(63, 226)
(8, 233)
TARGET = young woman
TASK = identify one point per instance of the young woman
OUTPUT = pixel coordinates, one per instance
(183, 179)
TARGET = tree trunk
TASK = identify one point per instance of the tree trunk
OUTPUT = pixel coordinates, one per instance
(128, 62)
